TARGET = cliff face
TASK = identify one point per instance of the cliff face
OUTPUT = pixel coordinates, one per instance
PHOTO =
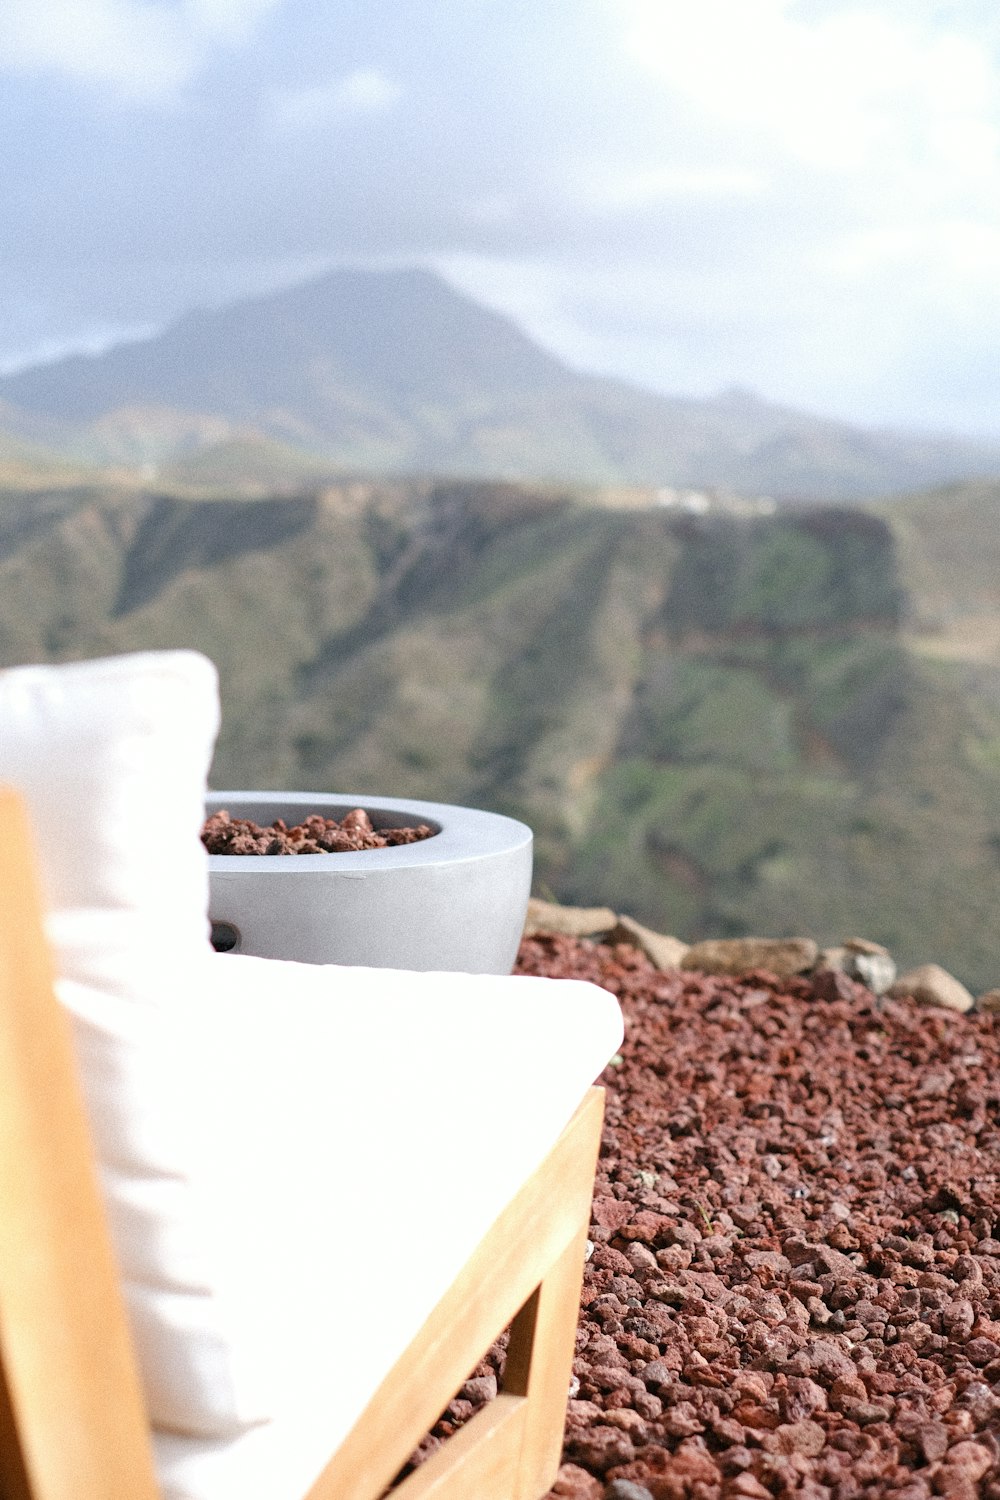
(782, 724)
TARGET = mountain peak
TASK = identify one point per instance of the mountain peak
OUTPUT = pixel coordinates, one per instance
(394, 336)
(395, 371)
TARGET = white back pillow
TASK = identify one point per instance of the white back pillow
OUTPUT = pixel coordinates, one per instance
(112, 757)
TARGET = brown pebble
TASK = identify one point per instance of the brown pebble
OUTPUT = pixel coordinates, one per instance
(480, 1389)
(796, 1437)
(574, 1483)
(973, 1459)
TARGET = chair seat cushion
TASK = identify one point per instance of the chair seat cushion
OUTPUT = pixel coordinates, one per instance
(371, 1127)
(277, 1460)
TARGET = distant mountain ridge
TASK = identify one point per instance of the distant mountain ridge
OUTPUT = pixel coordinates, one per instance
(395, 372)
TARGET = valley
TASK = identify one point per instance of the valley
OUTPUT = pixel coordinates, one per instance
(722, 724)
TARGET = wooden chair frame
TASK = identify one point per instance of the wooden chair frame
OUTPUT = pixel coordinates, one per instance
(72, 1419)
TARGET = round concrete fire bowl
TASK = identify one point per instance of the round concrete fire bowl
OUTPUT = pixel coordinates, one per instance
(454, 901)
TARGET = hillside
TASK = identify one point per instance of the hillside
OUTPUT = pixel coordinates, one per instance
(397, 373)
(778, 724)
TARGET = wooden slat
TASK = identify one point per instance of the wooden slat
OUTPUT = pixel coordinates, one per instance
(480, 1461)
(530, 1237)
(64, 1341)
(540, 1364)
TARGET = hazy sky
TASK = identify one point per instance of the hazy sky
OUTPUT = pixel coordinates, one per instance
(800, 196)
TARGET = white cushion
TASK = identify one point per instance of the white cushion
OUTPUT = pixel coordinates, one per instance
(269, 1134)
(365, 1144)
(335, 1161)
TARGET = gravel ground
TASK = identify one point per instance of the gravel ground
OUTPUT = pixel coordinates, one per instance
(223, 834)
(794, 1287)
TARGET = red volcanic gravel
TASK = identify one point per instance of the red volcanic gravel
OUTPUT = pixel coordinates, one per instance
(223, 834)
(794, 1287)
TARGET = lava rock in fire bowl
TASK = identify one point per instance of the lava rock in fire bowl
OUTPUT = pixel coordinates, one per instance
(454, 900)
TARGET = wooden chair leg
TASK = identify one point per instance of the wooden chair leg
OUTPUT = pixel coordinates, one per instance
(479, 1463)
(540, 1364)
(526, 1275)
(482, 1459)
(71, 1382)
(511, 1449)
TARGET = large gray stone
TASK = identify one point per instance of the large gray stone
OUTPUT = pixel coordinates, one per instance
(665, 952)
(860, 959)
(929, 984)
(832, 958)
(781, 956)
(568, 921)
(865, 945)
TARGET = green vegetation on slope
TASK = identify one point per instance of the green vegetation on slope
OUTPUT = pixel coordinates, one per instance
(777, 725)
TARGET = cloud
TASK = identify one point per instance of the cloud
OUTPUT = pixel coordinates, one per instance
(797, 195)
(366, 91)
(614, 190)
(902, 345)
(854, 89)
(959, 248)
(815, 209)
(146, 50)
